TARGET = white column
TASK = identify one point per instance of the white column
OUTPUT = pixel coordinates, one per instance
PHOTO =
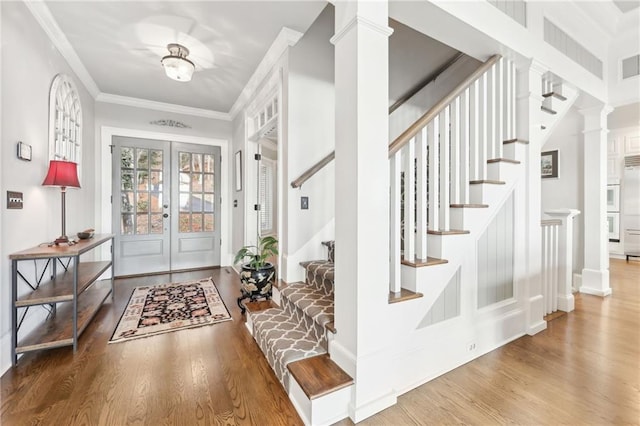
(528, 129)
(362, 201)
(566, 301)
(595, 275)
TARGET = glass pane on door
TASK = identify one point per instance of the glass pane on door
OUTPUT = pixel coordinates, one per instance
(196, 192)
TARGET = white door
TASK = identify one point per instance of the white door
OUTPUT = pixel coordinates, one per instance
(166, 204)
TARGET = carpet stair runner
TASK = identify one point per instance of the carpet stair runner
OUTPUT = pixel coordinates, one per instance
(297, 329)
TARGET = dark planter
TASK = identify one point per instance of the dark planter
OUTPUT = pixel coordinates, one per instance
(256, 283)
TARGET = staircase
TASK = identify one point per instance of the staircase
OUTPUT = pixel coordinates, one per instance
(297, 329)
(461, 163)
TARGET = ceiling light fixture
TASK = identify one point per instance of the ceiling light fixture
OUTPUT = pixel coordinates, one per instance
(176, 65)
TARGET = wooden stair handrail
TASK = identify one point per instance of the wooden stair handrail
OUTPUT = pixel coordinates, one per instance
(413, 130)
(401, 140)
(313, 170)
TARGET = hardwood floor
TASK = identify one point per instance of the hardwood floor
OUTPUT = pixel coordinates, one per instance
(584, 369)
(203, 376)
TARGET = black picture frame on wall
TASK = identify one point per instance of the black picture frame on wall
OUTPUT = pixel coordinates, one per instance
(238, 171)
(549, 164)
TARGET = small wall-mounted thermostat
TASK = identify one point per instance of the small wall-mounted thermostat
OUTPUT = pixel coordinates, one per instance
(14, 200)
(24, 151)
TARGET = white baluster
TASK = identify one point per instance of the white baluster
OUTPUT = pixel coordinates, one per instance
(455, 152)
(554, 268)
(491, 112)
(409, 200)
(445, 136)
(482, 143)
(508, 133)
(421, 188)
(500, 110)
(434, 155)
(394, 229)
(474, 129)
(464, 147)
(513, 100)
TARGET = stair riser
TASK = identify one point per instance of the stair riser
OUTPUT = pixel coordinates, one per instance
(515, 151)
(484, 193)
(501, 170)
(446, 246)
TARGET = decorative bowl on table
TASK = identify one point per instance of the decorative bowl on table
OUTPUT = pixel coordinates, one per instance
(85, 235)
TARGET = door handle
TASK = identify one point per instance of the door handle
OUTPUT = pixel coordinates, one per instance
(165, 215)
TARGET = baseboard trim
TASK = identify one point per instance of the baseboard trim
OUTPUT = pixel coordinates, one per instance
(596, 291)
(357, 414)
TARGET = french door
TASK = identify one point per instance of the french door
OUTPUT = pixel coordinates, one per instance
(166, 206)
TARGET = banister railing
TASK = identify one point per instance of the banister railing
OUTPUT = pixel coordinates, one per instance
(430, 78)
(313, 170)
(433, 112)
(437, 164)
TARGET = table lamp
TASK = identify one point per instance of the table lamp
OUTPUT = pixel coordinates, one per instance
(63, 174)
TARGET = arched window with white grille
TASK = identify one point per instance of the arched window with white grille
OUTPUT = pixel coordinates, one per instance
(65, 120)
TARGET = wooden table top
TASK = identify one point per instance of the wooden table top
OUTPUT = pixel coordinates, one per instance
(44, 251)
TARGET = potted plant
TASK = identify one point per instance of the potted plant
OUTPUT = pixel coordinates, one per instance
(257, 273)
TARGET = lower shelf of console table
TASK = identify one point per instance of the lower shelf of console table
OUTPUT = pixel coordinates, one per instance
(57, 331)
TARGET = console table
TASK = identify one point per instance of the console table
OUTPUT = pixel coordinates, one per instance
(71, 293)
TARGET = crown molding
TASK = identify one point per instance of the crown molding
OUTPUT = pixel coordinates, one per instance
(161, 106)
(285, 39)
(385, 30)
(43, 16)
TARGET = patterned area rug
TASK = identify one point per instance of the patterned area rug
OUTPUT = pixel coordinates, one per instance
(169, 307)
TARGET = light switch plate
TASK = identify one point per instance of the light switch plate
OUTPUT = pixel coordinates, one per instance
(14, 200)
(304, 203)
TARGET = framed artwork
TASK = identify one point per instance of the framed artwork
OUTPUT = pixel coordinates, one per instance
(24, 151)
(238, 171)
(613, 227)
(613, 198)
(549, 164)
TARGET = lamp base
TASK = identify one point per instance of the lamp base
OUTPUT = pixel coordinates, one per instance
(61, 240)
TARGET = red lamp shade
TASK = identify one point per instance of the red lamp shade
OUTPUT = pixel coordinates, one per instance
(62, 173)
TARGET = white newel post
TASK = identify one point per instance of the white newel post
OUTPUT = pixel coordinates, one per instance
(362, 200)
(595, 275)
(528, 129)
(566, 300)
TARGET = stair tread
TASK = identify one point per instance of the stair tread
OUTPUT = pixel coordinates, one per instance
(403, 295)
(515, 140)
(449, 232)
(548, 110)
(555, 95)
(503, 160)
(319, 376)
(284, 339)
(469, 206)
(419, 263)
(312, 302)
(489, 181)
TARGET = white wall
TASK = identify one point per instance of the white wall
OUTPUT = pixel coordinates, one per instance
(409, 112)
(238, 137)
(567, 190)
(310, 137)
(34, 62)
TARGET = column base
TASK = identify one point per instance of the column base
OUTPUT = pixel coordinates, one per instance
(595, 282)
(566, 303)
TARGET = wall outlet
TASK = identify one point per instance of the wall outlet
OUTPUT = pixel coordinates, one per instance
(471, 347)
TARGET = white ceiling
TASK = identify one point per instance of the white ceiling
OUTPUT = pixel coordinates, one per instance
(120, 43)
(626, 5)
